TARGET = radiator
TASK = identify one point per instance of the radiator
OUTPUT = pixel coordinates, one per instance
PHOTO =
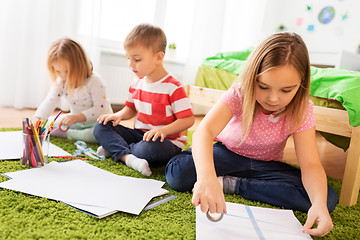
(118, 80)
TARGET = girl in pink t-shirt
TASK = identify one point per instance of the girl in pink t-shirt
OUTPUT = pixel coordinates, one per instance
(251, 124)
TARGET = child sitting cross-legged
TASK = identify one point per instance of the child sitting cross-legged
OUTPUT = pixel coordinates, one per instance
(251, 124)
(85, 92)
(158, 101)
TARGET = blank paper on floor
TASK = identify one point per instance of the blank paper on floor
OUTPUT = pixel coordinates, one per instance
(81, 183)
(101, 212)
(245, 222)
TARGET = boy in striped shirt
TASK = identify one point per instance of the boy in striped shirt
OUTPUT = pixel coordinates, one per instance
(158, 102)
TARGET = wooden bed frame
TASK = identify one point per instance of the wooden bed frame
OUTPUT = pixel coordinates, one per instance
(327, 120)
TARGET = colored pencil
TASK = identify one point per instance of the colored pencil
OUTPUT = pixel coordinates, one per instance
(57, 116)
(71, 157)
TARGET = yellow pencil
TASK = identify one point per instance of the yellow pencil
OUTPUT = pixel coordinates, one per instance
(37, 138)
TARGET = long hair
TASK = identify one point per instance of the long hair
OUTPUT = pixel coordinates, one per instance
(68, 52)
(148, 36)
(277, 50)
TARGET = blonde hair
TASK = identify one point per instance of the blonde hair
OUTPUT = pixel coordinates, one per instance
(148, 36)
(68, 52)
(277, 50)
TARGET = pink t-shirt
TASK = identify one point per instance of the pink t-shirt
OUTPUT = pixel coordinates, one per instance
(267, 137)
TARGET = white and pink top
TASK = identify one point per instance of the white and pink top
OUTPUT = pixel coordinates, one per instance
(268, 135)
(90, 99)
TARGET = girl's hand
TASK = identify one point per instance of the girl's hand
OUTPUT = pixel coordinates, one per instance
(321, 216)
(69, 120)
(154, 134)
(209, 195)
(35, 119)
(104, 119)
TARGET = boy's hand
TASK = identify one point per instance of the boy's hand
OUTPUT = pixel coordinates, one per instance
(154, 134)
(321, 216)
(104, 119)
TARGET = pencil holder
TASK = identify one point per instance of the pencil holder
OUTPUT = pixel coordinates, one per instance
(35, 150)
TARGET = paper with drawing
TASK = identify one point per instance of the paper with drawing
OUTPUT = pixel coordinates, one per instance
(245, 222)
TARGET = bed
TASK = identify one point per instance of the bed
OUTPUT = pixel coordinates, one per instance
(335, 95)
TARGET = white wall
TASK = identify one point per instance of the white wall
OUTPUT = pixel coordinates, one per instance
(339, 34)
(243, 24)
(118, 76)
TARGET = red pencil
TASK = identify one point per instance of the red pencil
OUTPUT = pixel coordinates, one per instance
(70, 157)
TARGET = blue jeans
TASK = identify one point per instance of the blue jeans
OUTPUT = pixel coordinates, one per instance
(119, 141)
(271, 182)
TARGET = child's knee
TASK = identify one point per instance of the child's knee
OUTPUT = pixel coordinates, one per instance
(174, 178)
(179, 175)
(155, 152)
(98, 130)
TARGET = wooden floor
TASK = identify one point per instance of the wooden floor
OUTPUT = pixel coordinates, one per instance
(332, 158)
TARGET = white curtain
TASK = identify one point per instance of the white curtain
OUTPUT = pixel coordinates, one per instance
(206, 35)
(28, 27)
(221, 26)
(89, 29)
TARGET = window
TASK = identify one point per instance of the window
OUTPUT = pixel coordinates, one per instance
(119, 17)
(175, 17)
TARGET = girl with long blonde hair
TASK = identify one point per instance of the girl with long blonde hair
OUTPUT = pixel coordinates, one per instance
(251, 124)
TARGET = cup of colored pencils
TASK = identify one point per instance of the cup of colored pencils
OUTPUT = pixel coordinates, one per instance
(35, 144)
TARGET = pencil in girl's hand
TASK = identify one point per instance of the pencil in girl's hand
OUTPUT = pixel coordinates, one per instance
(51, 124)
(57, 116)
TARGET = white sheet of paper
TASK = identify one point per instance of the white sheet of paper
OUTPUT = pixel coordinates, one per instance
(246, 222)
(101, 212)
(11, 146)
(79, 182)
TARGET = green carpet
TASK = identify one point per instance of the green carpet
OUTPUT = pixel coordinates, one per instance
(28, 217)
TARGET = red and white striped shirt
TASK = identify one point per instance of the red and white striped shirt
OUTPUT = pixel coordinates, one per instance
(159, 104)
